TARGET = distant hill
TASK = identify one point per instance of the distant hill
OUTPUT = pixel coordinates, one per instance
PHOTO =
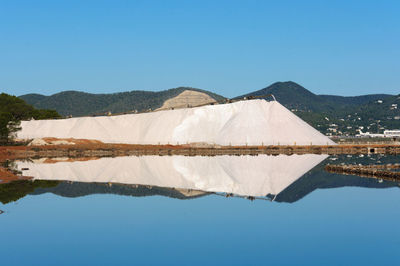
(337, 115)
(77, 103)
(330, 114)
(294, 96)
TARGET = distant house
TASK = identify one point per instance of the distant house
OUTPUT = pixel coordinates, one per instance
(395, 133)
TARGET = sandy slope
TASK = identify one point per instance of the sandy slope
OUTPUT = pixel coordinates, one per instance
(187, 98)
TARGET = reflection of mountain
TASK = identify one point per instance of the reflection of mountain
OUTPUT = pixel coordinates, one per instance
(79, 189)
(255, 176)
(318, 178)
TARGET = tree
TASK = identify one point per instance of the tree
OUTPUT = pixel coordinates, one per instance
(8, 127)
(12, 111)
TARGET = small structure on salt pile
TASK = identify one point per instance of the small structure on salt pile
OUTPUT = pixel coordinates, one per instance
(252, 122)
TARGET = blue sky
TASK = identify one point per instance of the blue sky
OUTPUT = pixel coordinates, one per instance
(230, 47)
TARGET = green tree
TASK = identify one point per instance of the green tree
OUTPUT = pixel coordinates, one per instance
(8, 127)
(12, 111)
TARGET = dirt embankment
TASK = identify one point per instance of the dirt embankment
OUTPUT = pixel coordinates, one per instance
(387, 172)
(68, 141)
(6, 176)
(99, 149)
(8, 153)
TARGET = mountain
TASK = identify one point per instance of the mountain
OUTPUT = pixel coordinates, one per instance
(296, 97)
(77, 103)
(337, 115)
(330, 114)
(80, 189)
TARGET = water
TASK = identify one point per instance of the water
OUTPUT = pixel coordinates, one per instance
(313, 218)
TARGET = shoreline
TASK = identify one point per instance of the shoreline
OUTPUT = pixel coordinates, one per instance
(108, 149)
(93, 150)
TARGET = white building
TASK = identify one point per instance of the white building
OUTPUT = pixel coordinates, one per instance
(395, 133)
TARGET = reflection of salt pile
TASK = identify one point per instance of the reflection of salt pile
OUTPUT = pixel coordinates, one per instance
(243, 175)
(252, 122)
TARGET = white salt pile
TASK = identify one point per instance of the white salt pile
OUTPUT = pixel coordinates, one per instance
(254, 122)
(242, 175)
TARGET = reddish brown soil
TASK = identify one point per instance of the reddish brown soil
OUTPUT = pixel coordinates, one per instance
(9, 152)
(75, 141)
(7, 176)
(15, 152)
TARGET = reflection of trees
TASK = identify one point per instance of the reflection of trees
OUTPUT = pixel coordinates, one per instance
(13, 191)
(11, 166)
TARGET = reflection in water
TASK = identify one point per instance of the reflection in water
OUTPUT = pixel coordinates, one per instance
(255, 176)
(79, 189)
(155, 230)
(15, 190)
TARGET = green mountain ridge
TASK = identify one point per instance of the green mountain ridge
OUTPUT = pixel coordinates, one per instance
(295, 96)
(330, 114)
(337, 115)
(78, 103)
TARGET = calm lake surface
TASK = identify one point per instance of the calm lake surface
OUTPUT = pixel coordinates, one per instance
(172, 210)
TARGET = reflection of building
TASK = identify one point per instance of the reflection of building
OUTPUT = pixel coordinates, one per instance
(392, 133)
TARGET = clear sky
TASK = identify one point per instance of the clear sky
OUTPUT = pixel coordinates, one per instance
(230, 47)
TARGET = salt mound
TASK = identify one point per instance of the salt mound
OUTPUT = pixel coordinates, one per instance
(254, 122)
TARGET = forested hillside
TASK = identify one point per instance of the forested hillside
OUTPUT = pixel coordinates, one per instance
(77, 103)
(337, 115)
(296, 97)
